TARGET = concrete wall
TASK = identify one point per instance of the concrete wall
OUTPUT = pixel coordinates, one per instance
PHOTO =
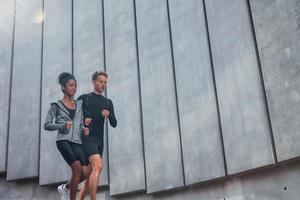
(204, 91)
(277, 32)
(24, 125)
(6, 39)
(272, 184)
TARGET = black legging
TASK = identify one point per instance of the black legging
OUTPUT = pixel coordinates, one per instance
(71, 152)
(74, 156)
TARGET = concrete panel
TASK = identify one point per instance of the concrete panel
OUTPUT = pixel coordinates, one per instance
(57, 58)
(277, 32)
(26, 190)
(88, 54)
(6, 41)
(126, 161)
(24, 130)
(200, 130)
(160, 121)
(207, 192)
(272, 184)
(88, 43)
(243, 113)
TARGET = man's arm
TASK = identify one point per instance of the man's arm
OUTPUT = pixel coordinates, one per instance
(86, 112)
(111, 116)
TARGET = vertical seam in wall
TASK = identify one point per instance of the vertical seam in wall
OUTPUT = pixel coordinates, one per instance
(140, 90)
(105, 93)
(104, 44)
(10, 82)
(262, 81)
(175, 85)
(41, 86)
(215, 87)
(72, 36)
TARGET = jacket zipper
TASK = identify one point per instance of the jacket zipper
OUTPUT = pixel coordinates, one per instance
(70, 119)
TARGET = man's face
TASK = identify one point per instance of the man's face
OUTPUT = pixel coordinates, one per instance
(100, 83)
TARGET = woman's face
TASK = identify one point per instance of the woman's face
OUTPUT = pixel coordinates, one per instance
(70, 88)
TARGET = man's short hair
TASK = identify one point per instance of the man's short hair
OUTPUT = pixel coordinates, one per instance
(99, 73)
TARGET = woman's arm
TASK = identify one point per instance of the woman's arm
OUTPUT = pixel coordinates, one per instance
(49, 125)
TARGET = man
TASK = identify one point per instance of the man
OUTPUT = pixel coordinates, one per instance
(96, 108)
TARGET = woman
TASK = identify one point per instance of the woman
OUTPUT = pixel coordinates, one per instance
(66, 117)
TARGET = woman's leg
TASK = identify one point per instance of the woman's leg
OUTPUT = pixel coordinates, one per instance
(69, 154)
(85, 173)
(86, 168)
(75, 179)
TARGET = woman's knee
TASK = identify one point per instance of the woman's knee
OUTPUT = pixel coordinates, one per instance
(76, 167)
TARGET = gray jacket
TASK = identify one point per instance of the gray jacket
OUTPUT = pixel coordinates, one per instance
(57, 117)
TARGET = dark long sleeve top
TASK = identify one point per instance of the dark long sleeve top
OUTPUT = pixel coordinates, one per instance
(93, 105)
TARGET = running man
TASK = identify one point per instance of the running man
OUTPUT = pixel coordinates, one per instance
(96, 108)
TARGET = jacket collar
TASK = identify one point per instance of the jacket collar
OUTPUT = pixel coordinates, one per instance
(62, 107)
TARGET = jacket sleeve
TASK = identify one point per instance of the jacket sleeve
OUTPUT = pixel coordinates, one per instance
(49, 125)
(112, 117)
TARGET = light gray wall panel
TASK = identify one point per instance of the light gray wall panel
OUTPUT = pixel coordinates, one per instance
(160, 121)
(201, 137)
(88, 54)
(6, 40)
(243, 113)
(126, 159)
(273, 184)
(57, 58)
(277, 32)
(24, 131)
(88, 43)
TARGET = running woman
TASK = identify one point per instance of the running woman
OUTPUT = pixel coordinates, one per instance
(66, 116)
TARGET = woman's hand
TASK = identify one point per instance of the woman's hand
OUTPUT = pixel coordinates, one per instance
(87, 121)
(86, 131)
(69, 124)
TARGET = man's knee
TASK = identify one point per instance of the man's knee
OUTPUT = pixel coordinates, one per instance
(96, 162)
(97, 166)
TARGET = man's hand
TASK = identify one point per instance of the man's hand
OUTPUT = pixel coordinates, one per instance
(87, 121)
(105, 113)
(69, 124)
(86, 131)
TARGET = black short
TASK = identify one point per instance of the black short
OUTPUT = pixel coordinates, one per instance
(90, 147)
(71, 152)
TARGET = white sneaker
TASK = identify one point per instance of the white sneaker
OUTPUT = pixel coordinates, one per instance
(64, 192)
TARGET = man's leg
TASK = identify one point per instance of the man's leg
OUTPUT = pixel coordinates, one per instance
(86, 171)
(83, 190)
(97, 164)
